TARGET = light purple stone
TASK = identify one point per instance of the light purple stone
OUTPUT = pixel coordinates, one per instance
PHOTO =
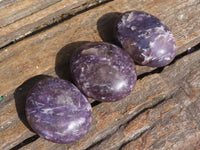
(58, 111)
(146, 39)
(103, 71)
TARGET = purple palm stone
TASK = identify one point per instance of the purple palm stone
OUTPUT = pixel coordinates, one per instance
(103, 71)
(58, 111)
(146, 39)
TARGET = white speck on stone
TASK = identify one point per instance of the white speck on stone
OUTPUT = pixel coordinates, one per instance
(161, 51)
(120, 85)
(160, 29)
(59, 133)
(90, 51)
(62, 99)
(48, 135)
(86, 84)
(167, 58)
(47, 111)
(144, 49)
(158, 37)
(146, 58)
(88, 108)
(133, 43)
(151, 44)
(133, 28)
(103, 58)
(140, 18)
(37, 67)
(82, 69)
(130, 17)
(148, 16)
(174, 46)
(75, 124)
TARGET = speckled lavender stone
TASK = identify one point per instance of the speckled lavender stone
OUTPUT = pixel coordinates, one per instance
(146, 39)
(58, 111)
(103, 71)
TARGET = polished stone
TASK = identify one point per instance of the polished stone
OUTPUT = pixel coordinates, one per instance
(58, 111)
(103, 71)
(147, 39)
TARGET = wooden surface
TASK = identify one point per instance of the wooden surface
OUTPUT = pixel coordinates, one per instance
(163, 110)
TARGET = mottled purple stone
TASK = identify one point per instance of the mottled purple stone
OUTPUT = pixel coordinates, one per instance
(103, 71)
(146, 39)
(58, 111)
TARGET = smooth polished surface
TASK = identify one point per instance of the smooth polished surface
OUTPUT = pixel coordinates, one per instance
(146, 39)
(103, 71)
(58, 111)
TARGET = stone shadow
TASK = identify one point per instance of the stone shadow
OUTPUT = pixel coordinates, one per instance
(63, 57)
(21, 94)
(106, 27)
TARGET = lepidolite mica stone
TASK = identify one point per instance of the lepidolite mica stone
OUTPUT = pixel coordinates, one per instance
(146, 39)
(58, 111)
(103, 71)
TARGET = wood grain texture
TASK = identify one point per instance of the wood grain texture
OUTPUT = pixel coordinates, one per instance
(28, 16)
(170, 125)
(5, 3)
(22, 9)
(117, 123)
(48, 52)
(18, 64)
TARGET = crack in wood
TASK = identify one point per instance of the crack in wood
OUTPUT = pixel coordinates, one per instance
(95, 103)
(136, 136)
(25, 142)
(159, 70)
(178, 57)
(20, 15)
(124, 125)
(98, 142)
(6, 3)
(60, 19)
(139, 134)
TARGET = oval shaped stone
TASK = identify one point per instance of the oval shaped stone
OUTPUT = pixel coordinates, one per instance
(146, 39)
(103, 71)
(57, 111)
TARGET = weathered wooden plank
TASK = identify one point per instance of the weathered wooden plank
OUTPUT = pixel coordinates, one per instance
(26, 17)
(5, 3)
(18, 63)
(169, 125)
(110, 119)
(175, 125)
(22, 9)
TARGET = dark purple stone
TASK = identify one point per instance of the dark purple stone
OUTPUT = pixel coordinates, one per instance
(146, 39)
(58, 111)
(103, 71)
